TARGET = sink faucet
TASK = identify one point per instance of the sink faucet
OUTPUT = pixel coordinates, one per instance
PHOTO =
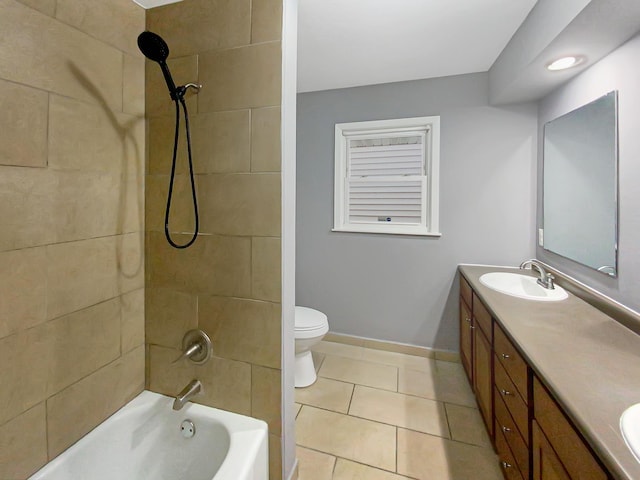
(187, 393)
(546, 279)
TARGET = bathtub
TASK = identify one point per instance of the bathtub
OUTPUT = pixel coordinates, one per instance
(146, 439)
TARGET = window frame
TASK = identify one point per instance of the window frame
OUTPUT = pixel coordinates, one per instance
(427, 126)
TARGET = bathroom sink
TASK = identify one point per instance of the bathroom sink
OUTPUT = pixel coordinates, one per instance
(522, 286)
(630, 427)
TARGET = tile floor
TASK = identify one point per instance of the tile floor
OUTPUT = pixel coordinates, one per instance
(376, 415)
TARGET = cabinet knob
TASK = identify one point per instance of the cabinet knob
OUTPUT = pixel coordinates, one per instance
(505, 392)
(472, 327)
(506, 465)
(468, 320)
(506, 429)
(506, 356)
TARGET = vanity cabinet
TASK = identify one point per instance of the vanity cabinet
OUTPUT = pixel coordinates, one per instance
(531, 434)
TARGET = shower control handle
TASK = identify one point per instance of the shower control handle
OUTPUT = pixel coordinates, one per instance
(196, 346)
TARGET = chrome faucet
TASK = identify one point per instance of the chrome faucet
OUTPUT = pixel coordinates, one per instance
(546, 279)
(187, 393)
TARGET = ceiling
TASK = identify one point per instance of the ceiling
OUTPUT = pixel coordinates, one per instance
(348, 43)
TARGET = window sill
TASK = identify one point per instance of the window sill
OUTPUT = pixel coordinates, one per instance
(387, 232)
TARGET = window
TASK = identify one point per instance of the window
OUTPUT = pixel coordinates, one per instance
(386, 176)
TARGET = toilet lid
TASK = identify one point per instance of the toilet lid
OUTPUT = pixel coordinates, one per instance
(309, 319)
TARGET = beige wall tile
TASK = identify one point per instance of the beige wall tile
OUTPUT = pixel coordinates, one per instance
(426, 457)
(79, 408)
(226, 384)
(116, 22)
(161, 138)
(246, 330)
(240, 204)
(346, 470)
(213, 264)
(24, 125)
(265, 140)
(23, 444)
(181, 215)
(406, 411)
(158, 101)
(45, 6)
(275, 457)
(240, 78)
(24, 366)
(201, 25)
(221, 142)
(49, 55)
(327, 394)
(362, 373)
(25, 207)
(23, 288)
(266, 404)
(133, 84)
(80, 274)
(314, 465)
(81, 343)
(170, 314)
(132, 317)
(266, 20)
(266, 279)
(130, 260)
(349, 437)
(165, 376)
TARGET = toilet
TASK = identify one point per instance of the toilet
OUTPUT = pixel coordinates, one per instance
(310, 327)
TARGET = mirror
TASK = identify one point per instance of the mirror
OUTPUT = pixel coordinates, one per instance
(580, 185)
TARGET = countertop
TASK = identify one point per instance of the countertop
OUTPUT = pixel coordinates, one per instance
(590, 362)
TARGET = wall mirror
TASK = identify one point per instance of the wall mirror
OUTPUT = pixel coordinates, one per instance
(580, 185)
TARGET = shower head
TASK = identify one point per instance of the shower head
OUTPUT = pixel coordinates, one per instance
(155, 48)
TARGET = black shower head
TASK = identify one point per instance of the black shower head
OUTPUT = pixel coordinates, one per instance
(155, 48)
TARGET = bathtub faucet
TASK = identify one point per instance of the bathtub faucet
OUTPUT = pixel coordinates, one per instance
(187, 393)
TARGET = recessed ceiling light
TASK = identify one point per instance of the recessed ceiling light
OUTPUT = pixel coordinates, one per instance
(565, 62)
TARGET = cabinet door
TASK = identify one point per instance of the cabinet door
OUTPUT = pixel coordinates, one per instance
(466, 339)
(546, 464)
(482, 381)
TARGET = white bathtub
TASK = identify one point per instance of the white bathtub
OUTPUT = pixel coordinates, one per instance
(143, 441)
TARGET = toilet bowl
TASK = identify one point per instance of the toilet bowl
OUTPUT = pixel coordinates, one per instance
(310, 327)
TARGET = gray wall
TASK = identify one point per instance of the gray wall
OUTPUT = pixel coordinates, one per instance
(399, 288)
(620, 71)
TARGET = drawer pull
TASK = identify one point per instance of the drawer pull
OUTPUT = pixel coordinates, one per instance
(506, 465)
(505, 392)
(506, 429)
(468, 320)
(506, 356)
(472, 327)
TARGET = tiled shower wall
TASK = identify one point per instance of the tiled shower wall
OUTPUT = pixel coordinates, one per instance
(72, 151)
(228, 283)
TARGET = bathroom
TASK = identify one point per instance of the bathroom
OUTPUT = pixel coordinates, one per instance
(95, 303)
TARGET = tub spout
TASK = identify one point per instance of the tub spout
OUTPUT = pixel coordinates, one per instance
(187, 393)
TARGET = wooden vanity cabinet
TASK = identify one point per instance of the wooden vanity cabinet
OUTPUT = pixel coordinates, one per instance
(466, 329)
(482, 361)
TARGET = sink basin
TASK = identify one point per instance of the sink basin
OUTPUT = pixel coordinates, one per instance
(630, 427)
(522, 286)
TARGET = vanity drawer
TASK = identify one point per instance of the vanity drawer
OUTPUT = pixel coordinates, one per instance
(512, 399)
(465, 291)
(508, 465)
(506, 425)
(482, 317)
(512, 362)
(574, 454)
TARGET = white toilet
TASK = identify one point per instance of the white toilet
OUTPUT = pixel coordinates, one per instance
(311, 326)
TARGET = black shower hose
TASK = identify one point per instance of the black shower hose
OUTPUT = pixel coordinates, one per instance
(173, 173)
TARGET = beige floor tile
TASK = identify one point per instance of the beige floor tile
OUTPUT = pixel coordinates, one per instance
(427, 457)
(406, 411)
(399, 360)
(326, 393)
(451, 368)
(446, 387)
(466, 425)
(297, 407)
(314, 465)
(318, 358)
(360, 372)
(339, 349)
(356, 439)
(346, 470)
